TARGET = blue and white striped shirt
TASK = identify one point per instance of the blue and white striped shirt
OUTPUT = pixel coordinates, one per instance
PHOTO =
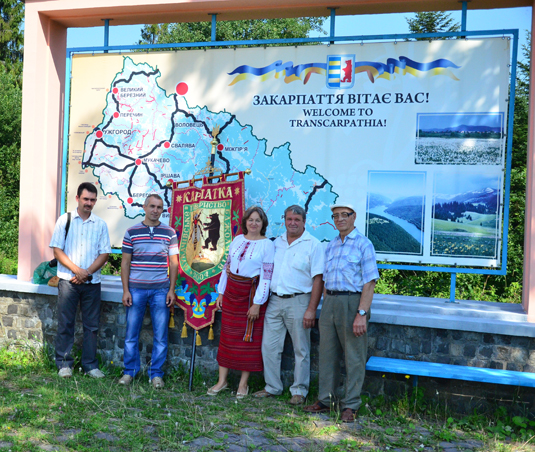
(149, 248)
(350, 264)
(86, 241)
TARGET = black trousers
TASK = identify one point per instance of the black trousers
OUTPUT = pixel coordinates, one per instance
(69, 295)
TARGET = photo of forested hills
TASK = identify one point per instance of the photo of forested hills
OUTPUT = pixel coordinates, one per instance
(395, 226)
(466, 224)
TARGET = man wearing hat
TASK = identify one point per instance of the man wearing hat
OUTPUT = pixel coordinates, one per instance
(350, 274)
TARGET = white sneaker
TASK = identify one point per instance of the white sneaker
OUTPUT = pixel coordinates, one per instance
(157, 382)
(65, 372)
(95, 373)
(126, 380)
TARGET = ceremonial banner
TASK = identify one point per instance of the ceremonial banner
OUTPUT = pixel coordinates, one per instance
(206, 219)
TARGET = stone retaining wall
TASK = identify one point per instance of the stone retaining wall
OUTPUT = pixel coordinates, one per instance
(32, 317)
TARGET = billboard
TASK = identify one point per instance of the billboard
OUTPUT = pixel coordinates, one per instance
(411, 133)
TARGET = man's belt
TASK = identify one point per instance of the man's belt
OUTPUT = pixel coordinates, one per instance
(341, 292)
(292, 295)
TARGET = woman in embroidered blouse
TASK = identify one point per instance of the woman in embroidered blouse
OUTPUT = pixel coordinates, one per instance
(243, 295)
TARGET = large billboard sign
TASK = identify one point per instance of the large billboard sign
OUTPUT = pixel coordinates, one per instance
(411, 133)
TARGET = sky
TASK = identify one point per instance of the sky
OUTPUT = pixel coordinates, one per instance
(496, 19)
(396, 184)
(443, 120)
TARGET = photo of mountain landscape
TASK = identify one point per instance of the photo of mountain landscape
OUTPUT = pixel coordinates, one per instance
(465, 215)
(395, 211)
(459, 138)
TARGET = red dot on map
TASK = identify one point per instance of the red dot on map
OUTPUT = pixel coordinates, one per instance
(220, 147)
(115, 90)
(138, 161)
(167, 145)
(169, 210)
(99, 134)
(86, 171)
(109, 196)
(129, 200)
(182, 88)
(116, 114)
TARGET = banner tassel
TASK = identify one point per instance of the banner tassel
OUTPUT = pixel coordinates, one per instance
(172, 320)
(211, 334)
(184, 331)
(198, 340)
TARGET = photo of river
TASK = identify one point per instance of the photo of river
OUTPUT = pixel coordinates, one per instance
(395, 211)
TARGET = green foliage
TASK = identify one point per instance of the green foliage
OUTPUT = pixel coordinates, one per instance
(432, 22)
(12, 36)
(10, 123)
(238, 30)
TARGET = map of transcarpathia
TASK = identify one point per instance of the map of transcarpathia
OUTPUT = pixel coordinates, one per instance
(148, 137)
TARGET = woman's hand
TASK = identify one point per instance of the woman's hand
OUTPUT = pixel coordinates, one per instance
(254, 312)
(219, 302)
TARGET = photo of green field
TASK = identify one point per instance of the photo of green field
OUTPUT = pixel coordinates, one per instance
(459, 139)
(474, 238)
(465, 215)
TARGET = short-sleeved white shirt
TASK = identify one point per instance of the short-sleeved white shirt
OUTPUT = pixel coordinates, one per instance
(297, 264)
(86, 240)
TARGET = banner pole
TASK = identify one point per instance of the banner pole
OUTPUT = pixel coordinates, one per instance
(192, 363)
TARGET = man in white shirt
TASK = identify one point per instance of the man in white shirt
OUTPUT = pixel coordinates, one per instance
(296, 289)
(81, 249)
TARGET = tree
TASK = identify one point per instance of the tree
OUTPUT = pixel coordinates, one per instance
(11, 34)
(432, 22)
(10, 133)
(239, 30)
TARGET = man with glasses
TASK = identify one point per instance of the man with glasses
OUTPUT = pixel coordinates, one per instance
(296, 289)
(350, 274)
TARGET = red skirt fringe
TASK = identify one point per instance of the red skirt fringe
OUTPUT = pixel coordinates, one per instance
(239, 347)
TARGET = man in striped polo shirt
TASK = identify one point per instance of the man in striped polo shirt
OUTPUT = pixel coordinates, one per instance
(81, 251)
(150, 249)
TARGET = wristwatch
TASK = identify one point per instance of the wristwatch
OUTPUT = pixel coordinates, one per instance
(362, 312)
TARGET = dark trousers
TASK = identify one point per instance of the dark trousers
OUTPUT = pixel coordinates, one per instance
(69, 295)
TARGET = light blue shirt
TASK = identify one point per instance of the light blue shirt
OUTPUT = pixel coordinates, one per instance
(86, 240)
(350, 264)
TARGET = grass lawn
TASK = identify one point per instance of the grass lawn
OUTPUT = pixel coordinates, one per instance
(39, 411)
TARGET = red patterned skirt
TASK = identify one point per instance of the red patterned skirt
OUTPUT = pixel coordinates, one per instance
(240, 343)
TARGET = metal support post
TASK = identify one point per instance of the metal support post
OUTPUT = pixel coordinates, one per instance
(333, 18)
(463, 16)
(452, 288)
(192, 363)
(214, 22)
(106, 33)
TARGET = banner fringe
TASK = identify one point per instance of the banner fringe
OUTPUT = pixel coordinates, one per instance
(184, 331)
(211, 334)
(198, 340)
(172, 320)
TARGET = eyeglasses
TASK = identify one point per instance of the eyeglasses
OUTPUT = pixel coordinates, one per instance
(343, 215)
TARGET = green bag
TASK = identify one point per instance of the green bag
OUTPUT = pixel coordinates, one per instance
(43, 273)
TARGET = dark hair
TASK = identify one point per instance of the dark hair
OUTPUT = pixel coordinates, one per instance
(262, 215)
(86, 186)
(298, 210)
(152, 195)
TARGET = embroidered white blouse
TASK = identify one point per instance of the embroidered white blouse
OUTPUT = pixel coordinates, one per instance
(250, 258)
